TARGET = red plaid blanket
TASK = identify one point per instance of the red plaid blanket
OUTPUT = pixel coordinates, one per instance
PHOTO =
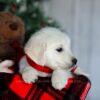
(15, 89)
(76, 89)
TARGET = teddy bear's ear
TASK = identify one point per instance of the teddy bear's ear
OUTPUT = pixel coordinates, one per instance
(6, 13)
(36, 51)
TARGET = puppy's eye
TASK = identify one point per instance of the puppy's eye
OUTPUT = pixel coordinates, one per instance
(59, 49)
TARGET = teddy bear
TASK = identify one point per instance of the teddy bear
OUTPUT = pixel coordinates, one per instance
(12, 31)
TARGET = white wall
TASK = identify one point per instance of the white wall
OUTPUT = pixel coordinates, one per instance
(81, 19)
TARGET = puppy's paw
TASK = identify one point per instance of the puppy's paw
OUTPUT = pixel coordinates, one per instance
(29, 77)
(59, 84)
(60, 78)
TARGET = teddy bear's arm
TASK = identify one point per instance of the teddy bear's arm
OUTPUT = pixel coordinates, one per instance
(4, 66)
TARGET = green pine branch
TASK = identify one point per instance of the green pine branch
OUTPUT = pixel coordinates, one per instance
(31, 13)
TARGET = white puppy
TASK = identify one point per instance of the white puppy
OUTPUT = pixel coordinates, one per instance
(49, 47)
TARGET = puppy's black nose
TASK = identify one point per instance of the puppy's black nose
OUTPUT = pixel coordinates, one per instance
(74, 61)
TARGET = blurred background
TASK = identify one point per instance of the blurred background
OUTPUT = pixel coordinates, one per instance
(79, 18)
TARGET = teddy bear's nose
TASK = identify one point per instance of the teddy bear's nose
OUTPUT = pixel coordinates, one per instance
(13, 26)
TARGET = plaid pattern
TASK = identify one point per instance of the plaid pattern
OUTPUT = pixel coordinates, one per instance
(12, 87)
(76, 89)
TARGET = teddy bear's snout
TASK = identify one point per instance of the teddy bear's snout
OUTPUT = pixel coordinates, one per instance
(13, 26)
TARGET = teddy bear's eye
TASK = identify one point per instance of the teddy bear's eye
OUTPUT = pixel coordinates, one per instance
(59, 49)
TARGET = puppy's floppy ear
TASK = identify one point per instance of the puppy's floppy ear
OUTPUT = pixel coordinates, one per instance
(36, 51)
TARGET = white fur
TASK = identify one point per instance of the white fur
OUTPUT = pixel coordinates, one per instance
(42, 48)
(60, 78)
(4, 66)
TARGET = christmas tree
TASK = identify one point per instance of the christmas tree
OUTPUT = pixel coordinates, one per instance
(31, 13)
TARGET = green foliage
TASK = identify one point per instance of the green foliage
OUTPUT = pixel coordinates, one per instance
(30, 11)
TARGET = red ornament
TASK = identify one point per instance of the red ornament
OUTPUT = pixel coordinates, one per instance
(14, 7)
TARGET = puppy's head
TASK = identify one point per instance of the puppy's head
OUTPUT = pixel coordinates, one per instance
(51, 47)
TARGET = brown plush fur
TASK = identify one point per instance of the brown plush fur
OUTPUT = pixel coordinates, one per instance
(11, 30)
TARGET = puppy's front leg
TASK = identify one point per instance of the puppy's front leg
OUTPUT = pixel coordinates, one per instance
(60, 78)
(29, 74)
